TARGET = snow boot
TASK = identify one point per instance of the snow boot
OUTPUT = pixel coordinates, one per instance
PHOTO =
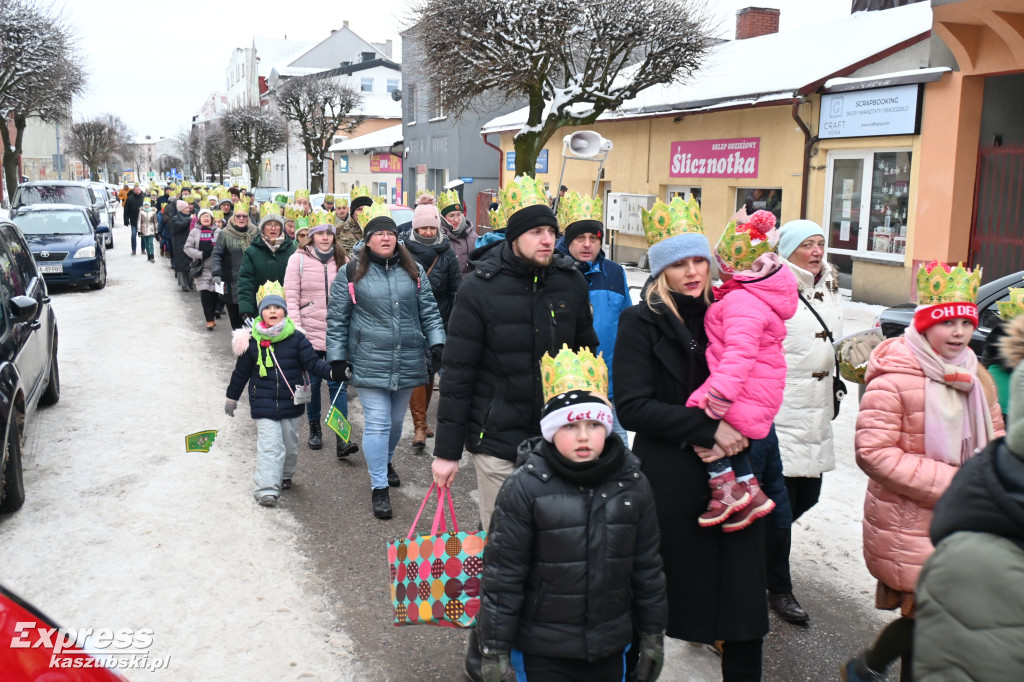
(345, 449)
(474, 661)
(728, 496)
(316, 436)
(268, 501)
(760, 505)
(286, 484)
(393, 480)
(856, 670)
(381, 503)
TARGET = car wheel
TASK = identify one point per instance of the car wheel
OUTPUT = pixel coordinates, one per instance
(52, 393)
(13, 485)
(101, 281)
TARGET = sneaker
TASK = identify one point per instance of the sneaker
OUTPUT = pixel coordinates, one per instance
(760, 505)
(286, 484)
(268, 501)
(381, 503)
(728, 496)
(856, 670)
(393, 480)
(787, 607)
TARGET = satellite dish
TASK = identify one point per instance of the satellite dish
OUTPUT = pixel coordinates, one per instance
(585, 143)
(396, 95)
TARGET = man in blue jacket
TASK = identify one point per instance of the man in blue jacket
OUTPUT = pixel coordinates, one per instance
(609, 292)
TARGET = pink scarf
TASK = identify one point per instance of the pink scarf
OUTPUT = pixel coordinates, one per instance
(957, 421)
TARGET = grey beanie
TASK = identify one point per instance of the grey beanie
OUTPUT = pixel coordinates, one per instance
(272, 218)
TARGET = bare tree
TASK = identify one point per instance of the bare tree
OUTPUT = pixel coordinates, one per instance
(255, 132)
(320, 108)
(216, 149)
(166, 162)
(189, 145)
(572, 60)
(40, 74)
(96, 140)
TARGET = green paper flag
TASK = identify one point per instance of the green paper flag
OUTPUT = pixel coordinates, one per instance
(200, 442)
(336, 422)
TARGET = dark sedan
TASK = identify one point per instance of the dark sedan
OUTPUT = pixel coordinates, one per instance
(64, 243)
(894, 321)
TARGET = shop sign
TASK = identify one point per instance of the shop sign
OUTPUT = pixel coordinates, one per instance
(542, 161)
(385, 163)
(870, 113)
(343, 164)
(733, 158)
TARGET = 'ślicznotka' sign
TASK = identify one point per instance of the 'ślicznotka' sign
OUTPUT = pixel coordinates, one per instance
(735, 158)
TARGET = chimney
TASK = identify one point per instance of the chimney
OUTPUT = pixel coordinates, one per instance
(367, 56)
(387, 51)
(752, 22)
(344, 24)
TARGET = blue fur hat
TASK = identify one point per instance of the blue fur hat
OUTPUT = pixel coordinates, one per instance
(668, 251)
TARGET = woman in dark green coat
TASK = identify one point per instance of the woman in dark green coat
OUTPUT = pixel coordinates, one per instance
(265, 260)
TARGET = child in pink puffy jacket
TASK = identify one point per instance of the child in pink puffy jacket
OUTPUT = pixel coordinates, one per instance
(745, 328)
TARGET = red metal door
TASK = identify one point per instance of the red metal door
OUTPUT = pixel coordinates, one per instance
(997, 227)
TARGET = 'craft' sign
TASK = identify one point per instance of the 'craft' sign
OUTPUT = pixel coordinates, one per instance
(870, 113)
(385, 163)
(735, 158)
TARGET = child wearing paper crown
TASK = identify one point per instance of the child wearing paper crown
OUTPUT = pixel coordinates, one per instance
(745, 328)
(273, 359)
(927, 408)
(572, 568)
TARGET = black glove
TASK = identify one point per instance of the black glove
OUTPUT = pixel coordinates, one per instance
(247, 322)
(434, 364)
(341, 370)
(497, 667)
(652, 657)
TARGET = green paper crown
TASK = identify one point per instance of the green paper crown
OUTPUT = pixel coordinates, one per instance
(668, 220)
(241, 206)
(498, 221)
(736, 251)
(269, 289)
(372, 211)
(269, 208)
(520, 193)
(359, 191)
(292, 212)
(328, 198)
(569, 371)
(322, 218)
(302, 222)
(449, 198)
(1014, 307)
(299, 194)
(939, 283)
(283, 198)
(574, 207)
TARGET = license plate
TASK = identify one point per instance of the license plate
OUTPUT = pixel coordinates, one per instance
(51, 269)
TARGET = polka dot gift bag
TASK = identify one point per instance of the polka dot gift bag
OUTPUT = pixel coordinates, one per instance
(435, 579)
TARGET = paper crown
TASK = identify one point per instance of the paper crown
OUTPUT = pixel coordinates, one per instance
(447, 200)
(328, 198)
(498, 221)
(223, 194)
(185, 184)
(321, 218)
(1014, 307)
(380, 200)
(742, 243)
(340, 202)
(521, 192)
(359, 191)
(299, 194)
(574, 207)
(267, 208)
(372, 211)
(241, 207)
(425, 192)
(269, 289)
(569, 371)
(283, 198)
(218, 214)
(302, 222)
(291, 212)
(939, 283)
(668, 220)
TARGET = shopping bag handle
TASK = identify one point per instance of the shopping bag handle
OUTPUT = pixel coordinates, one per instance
(440, 524)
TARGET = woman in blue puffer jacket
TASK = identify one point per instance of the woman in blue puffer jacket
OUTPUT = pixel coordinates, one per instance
(383, 328)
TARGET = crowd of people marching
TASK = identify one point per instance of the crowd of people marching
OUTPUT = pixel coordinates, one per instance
(597, 550)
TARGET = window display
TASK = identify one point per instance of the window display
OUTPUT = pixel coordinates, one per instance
(761, 199)
(890, 191)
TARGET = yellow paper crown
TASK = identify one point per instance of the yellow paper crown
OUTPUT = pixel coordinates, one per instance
(668, 220)
(569, 371)
(322, 218)
(301, 194)
(186, 184)
(218, 214)
(359, 191)
(425, 192)
(372, 211)
(449, 198)
(498, 221)
(223, 194)
(269, 289)
(341, 202)
(269, 208)
(328, 198)
(291, 212)
(1014, 307)
(939, 283)
(521, 192)
(241, 207)
(380, 200)
(574, 207)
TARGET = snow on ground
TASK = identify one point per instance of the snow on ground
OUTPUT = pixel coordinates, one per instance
(122, 528)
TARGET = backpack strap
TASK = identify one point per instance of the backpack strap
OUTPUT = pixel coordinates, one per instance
(350, 271)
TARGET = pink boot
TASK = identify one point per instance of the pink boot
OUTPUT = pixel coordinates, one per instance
(760, 505)
(728, 496)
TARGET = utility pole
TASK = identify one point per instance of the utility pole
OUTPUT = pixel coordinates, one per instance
(60, 158)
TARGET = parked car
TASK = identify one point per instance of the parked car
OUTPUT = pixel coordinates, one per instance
(66, 246)
(893, 321)
(108, 213)
(61, 192)
(262, 194)
(29, 375)
(401, 214)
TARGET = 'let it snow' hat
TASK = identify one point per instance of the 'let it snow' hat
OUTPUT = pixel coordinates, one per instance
(575, 389)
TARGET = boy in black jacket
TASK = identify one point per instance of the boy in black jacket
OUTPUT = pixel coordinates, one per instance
(273, 358)
(571, 568)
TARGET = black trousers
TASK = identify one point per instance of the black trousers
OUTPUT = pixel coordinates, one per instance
(209, 301)
(544, 669)
(234, 315)
(803, 493)
(741, 661)
(895, 641)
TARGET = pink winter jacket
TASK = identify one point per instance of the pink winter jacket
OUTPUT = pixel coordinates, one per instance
(307, 283)
(903, 484)
(745, 332)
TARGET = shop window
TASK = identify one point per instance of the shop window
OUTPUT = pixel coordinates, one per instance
(761, 199)
(683, 192)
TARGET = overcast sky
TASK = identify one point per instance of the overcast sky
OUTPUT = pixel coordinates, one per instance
(155, 65)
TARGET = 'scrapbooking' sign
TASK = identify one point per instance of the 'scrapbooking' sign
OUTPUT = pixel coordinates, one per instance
(870, 113)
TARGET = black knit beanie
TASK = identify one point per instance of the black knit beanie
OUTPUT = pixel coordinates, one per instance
(581, 227)
(525, 219)
(382, 222)
(360, 201)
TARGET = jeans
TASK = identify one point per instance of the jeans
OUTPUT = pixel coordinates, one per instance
(617, 428)
(277, 454)
(383, 415)
(147, 245)
(313, 406)
(135, 233)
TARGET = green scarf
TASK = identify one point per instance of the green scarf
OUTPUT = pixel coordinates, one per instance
(263, 357)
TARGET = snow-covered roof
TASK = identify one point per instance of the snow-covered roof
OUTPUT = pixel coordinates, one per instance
(772, 67)
(278, 52)
(386, 138)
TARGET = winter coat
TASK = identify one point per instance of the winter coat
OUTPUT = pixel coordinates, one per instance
(133, 204)
(386, 331)
(570, 569)
(348, 233)
(609, 296)
(970, 596)
(270, 396)
(227, 258)
(179, 233)
(445, 276)
(804, 421)
(260, 265)
(506, 317)
(463, 241)
(307, 284)
(204, 282)
(904, 483)
(715, 581)
(745, 332)
(148, 222)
